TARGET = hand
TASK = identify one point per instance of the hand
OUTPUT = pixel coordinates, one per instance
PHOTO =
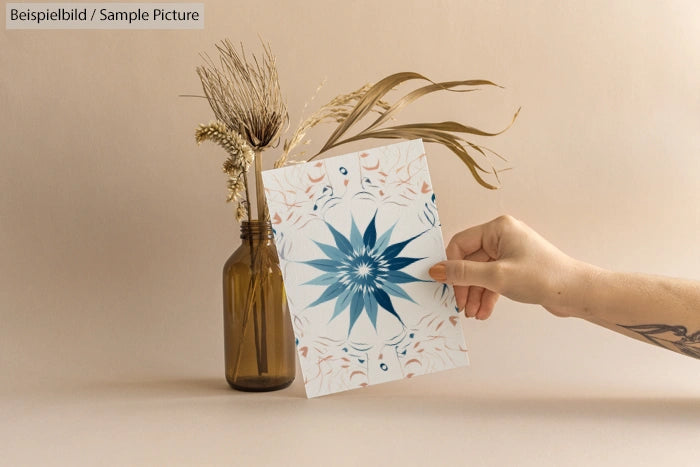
(506, 257)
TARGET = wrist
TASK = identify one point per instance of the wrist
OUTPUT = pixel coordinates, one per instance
(576, 292)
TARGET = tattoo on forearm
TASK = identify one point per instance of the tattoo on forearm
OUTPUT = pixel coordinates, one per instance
(669, 337)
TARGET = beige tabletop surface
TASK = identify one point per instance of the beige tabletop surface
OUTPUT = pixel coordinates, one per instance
(459, 417)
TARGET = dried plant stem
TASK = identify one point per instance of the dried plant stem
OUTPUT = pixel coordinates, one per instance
(259, 191)
(260, 268)
(247, 198)
(262, 365)
(254, 287)
(252, 252)
(259, 330)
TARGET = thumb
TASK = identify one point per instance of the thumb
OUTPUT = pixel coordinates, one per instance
(463, 272)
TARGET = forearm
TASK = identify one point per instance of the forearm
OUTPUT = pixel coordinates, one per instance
(658, 310)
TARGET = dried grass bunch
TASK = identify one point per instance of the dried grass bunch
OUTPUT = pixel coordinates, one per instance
(250, 115)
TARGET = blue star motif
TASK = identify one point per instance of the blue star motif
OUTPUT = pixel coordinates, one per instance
(362, 272)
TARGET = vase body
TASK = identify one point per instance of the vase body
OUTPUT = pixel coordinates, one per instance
(258, 335)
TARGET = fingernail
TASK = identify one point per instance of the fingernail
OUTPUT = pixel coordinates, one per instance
(438, 272)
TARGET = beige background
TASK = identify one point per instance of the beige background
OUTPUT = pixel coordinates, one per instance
(113, 231)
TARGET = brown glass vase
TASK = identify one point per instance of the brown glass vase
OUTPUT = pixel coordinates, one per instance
(258, 336)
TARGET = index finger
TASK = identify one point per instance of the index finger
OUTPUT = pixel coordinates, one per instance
(465, 243)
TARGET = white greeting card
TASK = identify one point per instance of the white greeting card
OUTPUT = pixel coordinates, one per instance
(356, 235)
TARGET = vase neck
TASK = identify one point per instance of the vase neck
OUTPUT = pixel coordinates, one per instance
(256, 230)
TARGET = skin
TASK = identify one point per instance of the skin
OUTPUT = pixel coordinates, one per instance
(506, 257)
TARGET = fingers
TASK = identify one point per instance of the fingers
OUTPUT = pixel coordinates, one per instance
(465, 243)
(461, 295)
(484, 237)
(467, 273)
(476, 284)
(480, 303)
(472, 294)
(470, 268)
(488, 302)
(471, 273)
(473, 301)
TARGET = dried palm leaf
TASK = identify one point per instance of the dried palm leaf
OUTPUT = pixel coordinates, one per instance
(371, 98)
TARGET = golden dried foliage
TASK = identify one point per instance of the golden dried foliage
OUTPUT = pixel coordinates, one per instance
(244, 94)
(348, 110)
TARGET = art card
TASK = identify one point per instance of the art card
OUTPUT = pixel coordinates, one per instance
(356, 235)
